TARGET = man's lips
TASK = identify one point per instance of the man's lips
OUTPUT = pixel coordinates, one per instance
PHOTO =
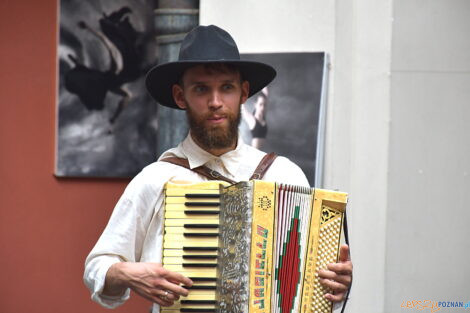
(217, 119)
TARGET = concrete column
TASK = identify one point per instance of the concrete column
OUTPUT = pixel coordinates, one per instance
(173, 20)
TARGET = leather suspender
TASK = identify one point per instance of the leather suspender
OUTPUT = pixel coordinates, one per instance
(203, 170)
(263, 166)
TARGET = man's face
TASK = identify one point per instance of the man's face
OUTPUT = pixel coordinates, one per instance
(212, 98)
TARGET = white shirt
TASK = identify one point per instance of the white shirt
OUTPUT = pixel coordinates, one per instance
(135, 230)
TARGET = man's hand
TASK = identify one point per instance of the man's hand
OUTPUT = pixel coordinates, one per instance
(338, 277)
(149, 280)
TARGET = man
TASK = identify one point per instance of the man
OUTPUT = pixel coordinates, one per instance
(210, 82)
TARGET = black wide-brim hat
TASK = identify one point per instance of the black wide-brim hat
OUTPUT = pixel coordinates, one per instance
(202, 45)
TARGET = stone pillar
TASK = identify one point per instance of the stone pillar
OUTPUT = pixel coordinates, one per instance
(173, 20)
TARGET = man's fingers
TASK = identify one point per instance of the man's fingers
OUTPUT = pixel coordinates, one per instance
(161, 297)
(335, 297)
(155, 297)
(177, 278)
(162, 302)
(343, 253)
(174, 289)
(172, 282)
(167, 295)
(344, 268)
(333, 285)
(173, 297)
(343, 279)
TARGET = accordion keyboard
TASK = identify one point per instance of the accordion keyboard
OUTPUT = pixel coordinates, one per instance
(190, 243)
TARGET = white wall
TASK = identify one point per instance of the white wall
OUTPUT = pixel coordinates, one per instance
(429, 182)
(273, 25)
(357, 153)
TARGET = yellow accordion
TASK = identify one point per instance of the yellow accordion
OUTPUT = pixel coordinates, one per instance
(253, 246)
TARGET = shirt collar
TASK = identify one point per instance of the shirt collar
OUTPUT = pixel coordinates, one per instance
(198, 156)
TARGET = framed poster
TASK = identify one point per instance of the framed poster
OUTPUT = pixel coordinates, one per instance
(106, 121)
(290, 112)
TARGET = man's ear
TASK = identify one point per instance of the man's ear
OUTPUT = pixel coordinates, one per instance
(178, 96)
(245, 90)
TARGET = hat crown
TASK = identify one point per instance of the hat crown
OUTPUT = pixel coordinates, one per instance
(208, 43)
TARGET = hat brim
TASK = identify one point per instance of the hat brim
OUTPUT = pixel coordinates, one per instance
(161, 78)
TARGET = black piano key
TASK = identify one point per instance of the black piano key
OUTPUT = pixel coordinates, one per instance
(199, 279)
(202, 195)
(201, 310)
(200, 265)
(201, 226)
(200, 248)
(200, 212)
(196, 204)
(201, 287)
(200, 234)
(198, 302)
(199, 256)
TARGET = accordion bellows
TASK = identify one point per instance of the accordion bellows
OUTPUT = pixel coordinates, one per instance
(251, 247)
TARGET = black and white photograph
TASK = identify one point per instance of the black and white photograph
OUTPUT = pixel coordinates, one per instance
(294, 98)
(106, 122)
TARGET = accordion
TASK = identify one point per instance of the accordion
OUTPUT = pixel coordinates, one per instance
(253, 246)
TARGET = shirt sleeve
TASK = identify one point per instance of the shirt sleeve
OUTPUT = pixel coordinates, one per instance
(95, 277)
(123, 237)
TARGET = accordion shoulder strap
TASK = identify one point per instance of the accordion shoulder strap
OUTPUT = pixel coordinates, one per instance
(263, 166)
(214, 175)
(202, 170)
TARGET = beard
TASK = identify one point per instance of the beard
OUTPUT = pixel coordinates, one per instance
(214, 136)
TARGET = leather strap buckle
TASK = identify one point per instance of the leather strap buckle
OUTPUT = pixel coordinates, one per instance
(215, 174)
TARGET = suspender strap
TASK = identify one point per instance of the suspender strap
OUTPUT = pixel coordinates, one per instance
(263, 166)
(346, 238)
(214, 175)
(201, 170)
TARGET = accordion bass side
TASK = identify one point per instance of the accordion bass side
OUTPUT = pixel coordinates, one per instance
(251, 247)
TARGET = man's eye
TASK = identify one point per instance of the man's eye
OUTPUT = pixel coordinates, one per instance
(227, 86)
(200, 88)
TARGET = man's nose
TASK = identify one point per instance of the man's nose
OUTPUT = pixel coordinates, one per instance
(215, 101)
